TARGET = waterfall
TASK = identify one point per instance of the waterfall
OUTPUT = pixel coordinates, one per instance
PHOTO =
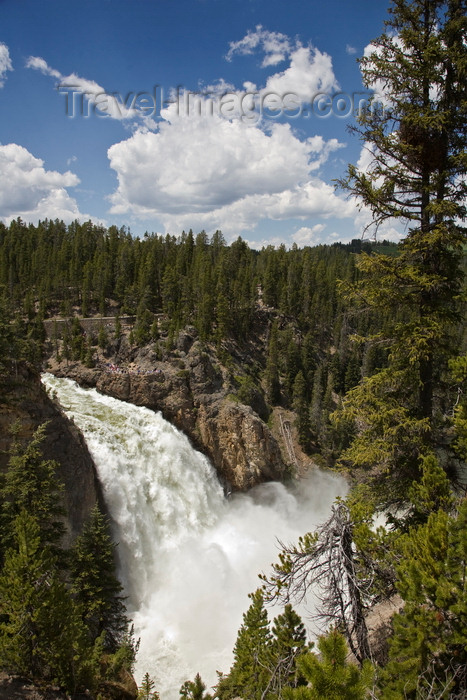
(188, 557)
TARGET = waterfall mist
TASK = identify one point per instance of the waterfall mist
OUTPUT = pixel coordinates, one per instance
(188, 557)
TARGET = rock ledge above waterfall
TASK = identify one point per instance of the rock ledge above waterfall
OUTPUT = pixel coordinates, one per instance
(196, 392)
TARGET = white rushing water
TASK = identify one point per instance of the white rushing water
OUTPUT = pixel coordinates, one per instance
(188, 556)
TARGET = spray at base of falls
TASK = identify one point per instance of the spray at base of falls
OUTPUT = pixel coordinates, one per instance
(188, 557)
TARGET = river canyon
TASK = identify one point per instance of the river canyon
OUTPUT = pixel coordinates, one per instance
(188, 555)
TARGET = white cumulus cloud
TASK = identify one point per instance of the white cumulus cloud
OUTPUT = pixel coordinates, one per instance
(310, 72)
(307, 235)
(212, 172)
(276, 46)
(215, 161)
(30, 191)
(5, 63)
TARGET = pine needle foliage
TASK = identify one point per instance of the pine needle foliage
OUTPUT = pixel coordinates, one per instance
(95, 585)
(330, 675)
(415, 136)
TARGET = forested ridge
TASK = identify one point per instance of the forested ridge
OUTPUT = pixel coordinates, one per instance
(53, 271)
(363, 342)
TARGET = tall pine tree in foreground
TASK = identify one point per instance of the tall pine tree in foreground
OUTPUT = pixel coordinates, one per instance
(30, 483)
(288, 646)
(265, 661)
(331, 676)
(428, 650)
(250, 673)
(95, 585)
(415, 139)
(41, 633)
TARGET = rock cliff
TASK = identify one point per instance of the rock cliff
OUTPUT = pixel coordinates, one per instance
(196, 393)
(25, 402)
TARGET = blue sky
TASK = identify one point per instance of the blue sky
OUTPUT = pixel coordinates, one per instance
(204, 114)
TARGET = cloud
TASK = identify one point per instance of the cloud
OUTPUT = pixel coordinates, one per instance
(350, 50)
(307, 79)
(5, 63)
(276, 46)
(98, 99)
(310, 72)
(217, 173)
(304, 236)
(30, 191)
(307, 236)
(216, 162)
(39, 64)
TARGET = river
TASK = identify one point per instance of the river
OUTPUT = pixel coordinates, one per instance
(187, 556)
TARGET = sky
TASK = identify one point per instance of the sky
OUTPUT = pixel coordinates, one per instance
(166, 116)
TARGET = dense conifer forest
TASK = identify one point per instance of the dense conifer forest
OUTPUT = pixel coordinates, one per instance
(364, 342)
(307, 357)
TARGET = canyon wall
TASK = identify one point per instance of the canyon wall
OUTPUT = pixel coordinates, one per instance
(196, 393)
(25, 402)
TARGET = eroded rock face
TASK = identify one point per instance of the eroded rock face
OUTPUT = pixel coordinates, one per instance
(239, 444)
(194, 392)
(25, 401)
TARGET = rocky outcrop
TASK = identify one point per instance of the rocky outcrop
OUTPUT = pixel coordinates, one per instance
(239, 444)
(18, 688)
(197, 394)
(24, 401)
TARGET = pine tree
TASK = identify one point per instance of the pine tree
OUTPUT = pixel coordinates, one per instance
(289, 644)
(89, 360)
(7, 338)
(316, 403)
(416, 139)
(331, 676)
(352, 372)
(431, 493)
(194, 690)
(41, 634)
(118, 327)
(223, 317)
(308, 358)
(95, 586)
(31, 484)
(146, 690)
(251, 670)
(271, 375)
(102, 337)
(154, 331)
(292, 363)
(458, 367)
(301, 408)
(428, 650)
(66, 352)
(76, 338)
(142, 329)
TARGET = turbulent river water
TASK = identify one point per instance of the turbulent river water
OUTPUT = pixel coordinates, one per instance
(188, 556)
